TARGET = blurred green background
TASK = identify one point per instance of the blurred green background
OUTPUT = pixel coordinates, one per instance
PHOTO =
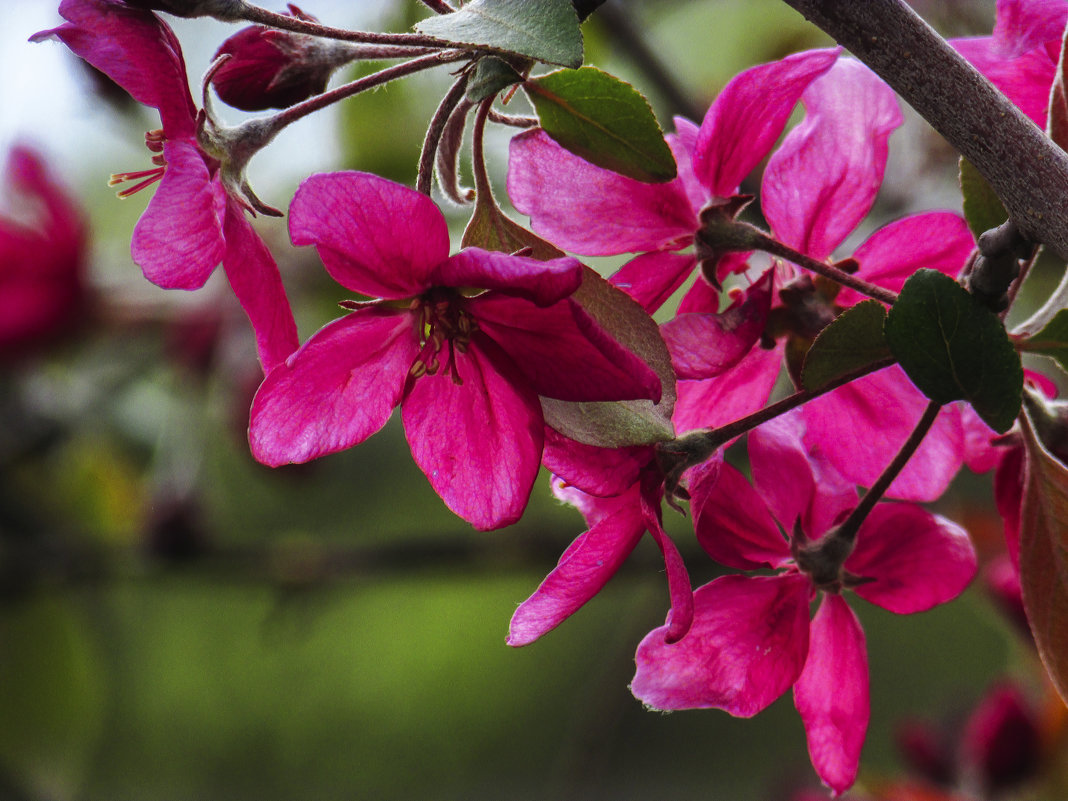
(178, 622)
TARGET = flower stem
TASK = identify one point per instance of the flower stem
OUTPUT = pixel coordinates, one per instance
(777, 248)
(272, 19)
(452, 98)
(439, 6)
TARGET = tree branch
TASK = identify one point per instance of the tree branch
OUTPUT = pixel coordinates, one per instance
(1026, 169)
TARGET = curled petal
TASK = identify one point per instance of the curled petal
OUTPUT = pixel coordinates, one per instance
(731, 520)
(823, 179)
(832, 694)
(178, 241)
(585, 567)
(478, 442)
(749, 115)
(1008, 495)
(707, 345)
(337, 390)
(593, 211)
(681, 616)
(937, 240)
(375, 237)
(254, 277)
(747, 645)
(540, 282)
(917, 559)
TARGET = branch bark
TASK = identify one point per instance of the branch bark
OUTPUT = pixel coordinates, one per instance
(1026, 169)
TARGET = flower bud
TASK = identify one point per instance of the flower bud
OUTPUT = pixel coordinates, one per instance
(1001, 744)
(226, 10)
(270, 68)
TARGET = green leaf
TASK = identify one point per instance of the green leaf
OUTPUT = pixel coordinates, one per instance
(854, 340)
(620, 423)
(544, 30)
(1044, 535)
(982, 208)
(1052, 340)
(603, 120)
(954, 348)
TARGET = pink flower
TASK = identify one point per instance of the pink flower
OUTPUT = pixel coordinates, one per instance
(465, 366)
(593, 211)
(42, 258)
(196, 217)
(752, 638)
(619, 492)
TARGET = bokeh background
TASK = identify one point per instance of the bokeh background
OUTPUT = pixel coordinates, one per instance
(178, 622)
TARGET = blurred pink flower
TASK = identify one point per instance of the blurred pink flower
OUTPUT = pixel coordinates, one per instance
(466, 366)
(196, 218)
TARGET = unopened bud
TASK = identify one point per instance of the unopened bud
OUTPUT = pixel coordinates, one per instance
(226, 10)
(1001, 740)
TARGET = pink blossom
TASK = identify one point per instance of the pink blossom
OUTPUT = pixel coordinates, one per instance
(196, 217)
(465, 366)
(42, 258)
(751, 637)
(593, 211)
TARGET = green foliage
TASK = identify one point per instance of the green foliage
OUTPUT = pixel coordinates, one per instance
(490, 75)
(604, 120)
(954, 348)
(982, 208)
(614, 425)
(1052, 340)
(544, 30)
(854, 340)
(1044, 535)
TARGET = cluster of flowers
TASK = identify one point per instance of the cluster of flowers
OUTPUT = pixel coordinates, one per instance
(468, 344)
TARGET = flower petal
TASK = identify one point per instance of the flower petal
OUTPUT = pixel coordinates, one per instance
(375, 237)
(707, 345)
(1023, 25)
(861, 426)
(937, 240)
(747, 645)
(749, 115)
(137, 50)
(680, 618)
(563, 352)
(742, 390)
(178, 241)
(917, 559)
(1025, 80)
(824, 177)
(593, 211)
(596, 471)
(479, 443)
(585, 567)
(254, 277)
(732, 521)
(540, 282)
(337, 390)
(652, 278)
(832, 694)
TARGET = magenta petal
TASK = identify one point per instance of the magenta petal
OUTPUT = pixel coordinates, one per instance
(1023, 25)
(743, 389)
(749, 115)
(832, 694)
(707, 345)
(702, 296)
(254, 277)
(337, 390)
(652, 278)
(178, 241)
(747, 645)
(586, 209)
(541, 282)
(731, 520)
(860, 428)
(1008, 495)
(563, 352)
(679, 588)
(135, 49)
(682, 144)
(823, 179)
(796, 483)
(597, 471)
(937, 240)
(478, 442)
(585, 567)
(375, 237)
(1025, 80)
(917, 559)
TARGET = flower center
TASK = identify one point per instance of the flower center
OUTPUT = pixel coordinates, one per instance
(447, 328)
(144, 178)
